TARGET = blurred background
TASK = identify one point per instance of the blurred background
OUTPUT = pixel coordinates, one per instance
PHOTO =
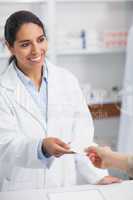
(90, 38)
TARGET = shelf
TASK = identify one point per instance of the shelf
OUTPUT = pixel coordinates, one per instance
(93, 1)
(89, 52)
(23, 1)
(77, 52)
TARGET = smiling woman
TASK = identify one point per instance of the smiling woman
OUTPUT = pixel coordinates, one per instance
(42, 110)
(29, 50)
(28, 47)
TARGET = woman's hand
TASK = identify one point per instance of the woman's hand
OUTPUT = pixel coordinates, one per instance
(55, 147)
(104, 157)
(109, 180)
(100, 156)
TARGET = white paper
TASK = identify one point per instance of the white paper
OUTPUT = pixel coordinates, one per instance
(78, 148)
(76, 195)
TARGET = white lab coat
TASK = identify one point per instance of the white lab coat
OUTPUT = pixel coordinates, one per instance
(22, 127)
(125, 142)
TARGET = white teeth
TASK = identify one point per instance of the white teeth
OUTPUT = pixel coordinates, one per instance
(35, 59)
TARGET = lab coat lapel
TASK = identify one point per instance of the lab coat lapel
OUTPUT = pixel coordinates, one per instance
(54, 102)
(20, 95)
(24, 99)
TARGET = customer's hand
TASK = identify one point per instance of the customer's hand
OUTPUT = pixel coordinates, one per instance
(100, 156)
(109, 180)
(55, 147)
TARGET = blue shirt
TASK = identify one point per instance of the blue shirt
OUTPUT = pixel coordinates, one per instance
(40, 98)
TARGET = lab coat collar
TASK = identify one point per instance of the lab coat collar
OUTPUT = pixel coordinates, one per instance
(11, 83)
(9, 79)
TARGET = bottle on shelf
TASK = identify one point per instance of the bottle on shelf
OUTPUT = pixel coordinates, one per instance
(83, 38)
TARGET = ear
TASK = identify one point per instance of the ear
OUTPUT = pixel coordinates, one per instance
(10, 48)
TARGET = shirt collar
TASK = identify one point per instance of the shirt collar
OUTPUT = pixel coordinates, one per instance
(26, 79)
(45, 72)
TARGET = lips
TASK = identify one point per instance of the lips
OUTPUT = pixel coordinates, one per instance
(36, 59)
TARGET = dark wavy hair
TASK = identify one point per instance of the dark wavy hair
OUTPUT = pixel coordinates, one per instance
(14, 23)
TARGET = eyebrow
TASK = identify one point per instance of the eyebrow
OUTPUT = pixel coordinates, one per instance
(23, 41)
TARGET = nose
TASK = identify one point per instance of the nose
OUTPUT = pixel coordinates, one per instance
(35, 49)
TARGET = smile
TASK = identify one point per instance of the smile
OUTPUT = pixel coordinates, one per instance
(35, 59)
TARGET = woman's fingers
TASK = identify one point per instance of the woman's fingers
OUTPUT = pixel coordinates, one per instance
(109, 180)
(55, 146)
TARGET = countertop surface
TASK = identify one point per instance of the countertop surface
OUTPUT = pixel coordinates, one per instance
(121, 191)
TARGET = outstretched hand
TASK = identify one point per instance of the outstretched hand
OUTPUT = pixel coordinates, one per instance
(55, 147)
(99, 156)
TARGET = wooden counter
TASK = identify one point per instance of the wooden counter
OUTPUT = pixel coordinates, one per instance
(106, 110)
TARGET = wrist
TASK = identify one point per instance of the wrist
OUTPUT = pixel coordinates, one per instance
(119, 161)
(45, 152)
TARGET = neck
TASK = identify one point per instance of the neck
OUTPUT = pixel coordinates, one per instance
(36, 78)
(35, 74)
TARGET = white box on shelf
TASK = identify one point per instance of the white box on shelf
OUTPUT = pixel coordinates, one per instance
(68, 40)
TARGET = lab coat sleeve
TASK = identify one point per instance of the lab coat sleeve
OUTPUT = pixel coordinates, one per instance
(83, 137)
(45, 158)
(16, 149)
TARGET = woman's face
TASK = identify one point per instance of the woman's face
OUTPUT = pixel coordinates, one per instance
(29, 47)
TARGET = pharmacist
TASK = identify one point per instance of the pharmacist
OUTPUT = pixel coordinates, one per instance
(42, 113)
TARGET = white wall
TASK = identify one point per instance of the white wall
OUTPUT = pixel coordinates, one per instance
(101, 15)
(106, 131)
(7, 9)
(101, 71)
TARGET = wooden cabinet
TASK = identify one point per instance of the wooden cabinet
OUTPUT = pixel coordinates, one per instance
(104, 111)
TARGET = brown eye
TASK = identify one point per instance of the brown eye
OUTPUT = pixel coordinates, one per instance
(25, 45)
(41, 39)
